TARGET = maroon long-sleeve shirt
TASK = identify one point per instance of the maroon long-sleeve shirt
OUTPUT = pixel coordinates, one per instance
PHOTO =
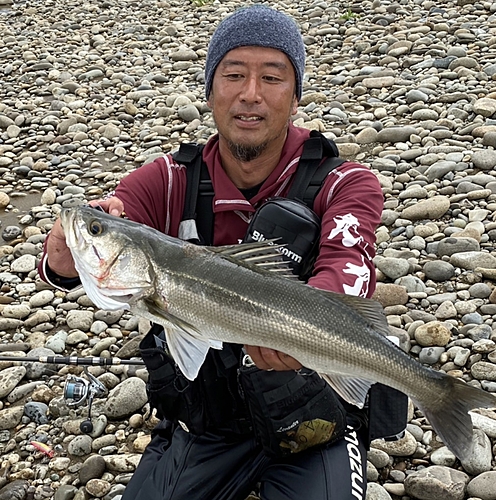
(349, 205)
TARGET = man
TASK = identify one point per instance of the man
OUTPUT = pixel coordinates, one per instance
(254, 78)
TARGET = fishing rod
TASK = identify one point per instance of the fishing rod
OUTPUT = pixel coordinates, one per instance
(79, 390)
(73, 360)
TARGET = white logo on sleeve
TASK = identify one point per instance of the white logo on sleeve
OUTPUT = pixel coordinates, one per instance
(361, 285)
(347, 228)
(346, 225)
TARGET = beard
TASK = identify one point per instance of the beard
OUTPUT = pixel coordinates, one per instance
(245, 153)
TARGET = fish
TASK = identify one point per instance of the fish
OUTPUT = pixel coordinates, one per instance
(244, 294)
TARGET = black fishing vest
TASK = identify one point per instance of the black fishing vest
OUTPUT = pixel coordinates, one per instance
(307, 183)
(387, 408)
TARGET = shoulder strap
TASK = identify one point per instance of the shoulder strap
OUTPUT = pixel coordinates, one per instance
(311, 171)
(190, 156)
(198, 216)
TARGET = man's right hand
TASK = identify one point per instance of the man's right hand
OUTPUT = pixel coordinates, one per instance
(59, 256)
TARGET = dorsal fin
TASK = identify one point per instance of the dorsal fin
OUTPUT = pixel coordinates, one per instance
(265, 256)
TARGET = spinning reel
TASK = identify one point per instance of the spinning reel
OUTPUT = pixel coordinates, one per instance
(78, 390)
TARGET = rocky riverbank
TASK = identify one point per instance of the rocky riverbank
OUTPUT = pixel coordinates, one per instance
(91, 90)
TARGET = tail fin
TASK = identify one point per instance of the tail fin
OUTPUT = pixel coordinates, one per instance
(449, 416)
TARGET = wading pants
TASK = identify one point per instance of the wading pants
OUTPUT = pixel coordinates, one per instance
(209, 467)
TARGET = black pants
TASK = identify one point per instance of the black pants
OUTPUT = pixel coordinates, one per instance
(211, 467)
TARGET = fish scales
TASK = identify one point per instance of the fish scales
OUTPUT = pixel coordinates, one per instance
(205, 295)
(254, 306)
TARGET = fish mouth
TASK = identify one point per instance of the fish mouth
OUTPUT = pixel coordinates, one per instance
(95, 263)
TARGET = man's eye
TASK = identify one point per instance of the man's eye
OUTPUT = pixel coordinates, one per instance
(96, 228)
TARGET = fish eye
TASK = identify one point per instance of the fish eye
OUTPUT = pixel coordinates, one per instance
(95, 227)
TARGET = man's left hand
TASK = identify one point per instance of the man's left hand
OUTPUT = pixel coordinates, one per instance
(270, 359)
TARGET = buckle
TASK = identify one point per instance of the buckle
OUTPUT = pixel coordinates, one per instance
(184, 427)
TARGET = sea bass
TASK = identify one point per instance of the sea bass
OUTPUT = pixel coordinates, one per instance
(208, 295)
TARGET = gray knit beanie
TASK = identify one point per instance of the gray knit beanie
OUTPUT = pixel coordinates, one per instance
(258, 26)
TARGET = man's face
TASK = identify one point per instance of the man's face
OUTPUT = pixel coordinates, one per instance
(252, 100)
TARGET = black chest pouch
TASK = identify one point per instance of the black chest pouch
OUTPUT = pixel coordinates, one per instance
(293, 224)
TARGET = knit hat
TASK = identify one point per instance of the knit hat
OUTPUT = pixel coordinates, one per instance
(259, 26)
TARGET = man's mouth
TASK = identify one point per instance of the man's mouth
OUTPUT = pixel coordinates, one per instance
(249, 118)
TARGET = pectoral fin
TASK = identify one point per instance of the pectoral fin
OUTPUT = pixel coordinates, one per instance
(188, 352)
(185, 342)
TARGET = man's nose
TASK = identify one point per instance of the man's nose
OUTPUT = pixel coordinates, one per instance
(251, 91)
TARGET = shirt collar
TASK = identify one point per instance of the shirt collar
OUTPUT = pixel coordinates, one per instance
(227, 195)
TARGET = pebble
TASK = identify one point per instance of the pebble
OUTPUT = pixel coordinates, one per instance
(92, 468)
(9, 378)
(10, 417)
(406, 88)
(483, 486)
(376, 492)
(128, 397)
(432, 334)
(404, 447)
(437, 482)
(80, 446)
(36, 412)
(98, 487)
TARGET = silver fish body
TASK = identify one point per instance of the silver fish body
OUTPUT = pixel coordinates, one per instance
(204, 296)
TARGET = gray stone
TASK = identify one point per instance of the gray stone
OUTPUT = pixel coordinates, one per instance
(10, 417)
(415, 95)
(376, 492)
(483, 486)
(80, 319)
(393, 268)
(41, 299)
(24, 264)
(443, 456)
(16, 490)
(37, 412)
(97, 487)
(479, 460)
(92, 468)
(65, 492)
(473, 260)
(396, 134)
(108, 317)
(127, 398)
(188, 113)
(439, 270)
(404, 447)
(36, 370)
(485, 107)
(9, 378)
(484, 371)
(480, 290)
(430, 355)
(484, 159)
(439, 169)
(436, 482)
(80, 446)
(450, 246)
(122, 463)
(432, 208)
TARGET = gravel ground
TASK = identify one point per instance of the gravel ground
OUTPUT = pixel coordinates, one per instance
(91, 90)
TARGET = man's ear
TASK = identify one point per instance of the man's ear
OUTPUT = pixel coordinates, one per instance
(210, 101)
(294, 106)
